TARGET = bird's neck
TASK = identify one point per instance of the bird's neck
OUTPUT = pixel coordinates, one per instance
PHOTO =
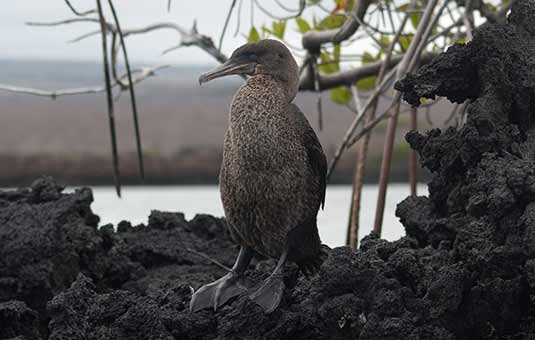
(260, 97)
(286, 89)
(259, 122)
(259, 106)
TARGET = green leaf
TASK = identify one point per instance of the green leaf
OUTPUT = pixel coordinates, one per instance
(302, 24)
(340, 95)
(405, 41)
(266, 31)
(253, 35)
(313, 2)
(385, 41)
(328, 64)
(345, 4)
(367, 58)
(490, 5)
(403, 7)
(367, 83)
(336, 51)
(331, 22)
(278, 28)
(415, 18)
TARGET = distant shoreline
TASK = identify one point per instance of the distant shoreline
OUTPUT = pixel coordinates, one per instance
(202, 169)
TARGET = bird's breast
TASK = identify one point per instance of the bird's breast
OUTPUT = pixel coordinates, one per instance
(260, 134)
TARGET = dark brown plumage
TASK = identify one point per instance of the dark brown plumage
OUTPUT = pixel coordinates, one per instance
(272, 179)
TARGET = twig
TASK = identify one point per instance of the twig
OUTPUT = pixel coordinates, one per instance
(109, 96)
(428, 116)
(413, 167)
(188, 38)
(462, 115)
(302, 4)
(226, 24)
(452, 115)
(144, 73)
(83, 36)
(313, 39)
(80, 14)
(362, 153)
(317, 89)
(467, 19)
(169, 6)
(356, 122)
(390, 18)
(408, 63)
(132, 92)
(214, 261)
(238, 21)
(356, 98)
(350, 76)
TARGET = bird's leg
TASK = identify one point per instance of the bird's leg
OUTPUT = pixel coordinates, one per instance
(215, 294)
(269, 295)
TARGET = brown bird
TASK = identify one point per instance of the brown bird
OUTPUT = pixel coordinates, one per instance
(272, 179)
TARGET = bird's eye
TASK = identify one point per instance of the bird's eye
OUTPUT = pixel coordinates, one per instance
(250, 56)
(280, 56)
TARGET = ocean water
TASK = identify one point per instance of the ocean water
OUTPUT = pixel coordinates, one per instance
(138, 201)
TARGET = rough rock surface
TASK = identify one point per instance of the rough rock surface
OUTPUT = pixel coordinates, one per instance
(466, 270)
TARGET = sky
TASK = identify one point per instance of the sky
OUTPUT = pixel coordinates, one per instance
(21, 41)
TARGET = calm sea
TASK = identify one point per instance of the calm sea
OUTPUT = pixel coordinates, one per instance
(138, 201)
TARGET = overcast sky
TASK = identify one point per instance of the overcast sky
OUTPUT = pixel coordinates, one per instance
(21, 41)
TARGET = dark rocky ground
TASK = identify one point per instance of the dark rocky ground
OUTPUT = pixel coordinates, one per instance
(466, 269)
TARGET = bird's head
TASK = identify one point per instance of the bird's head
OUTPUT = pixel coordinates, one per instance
(264, 57)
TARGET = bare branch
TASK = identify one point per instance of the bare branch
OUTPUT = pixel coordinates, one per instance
(188, 37)
(80, 14)
(318, 91)
(288, 9)
(348, 77)
(356, 98)
(214, 261)
(226, 24)
(109, 96)
(494, 17)
(356, 122)
(143, 74)
(313, 39)
(83, 36)
(413, 161)
(238, 22)
(408, 63)
(452, 115)
(132, 92)
(64, 22)
(302, 4)
(468, 19)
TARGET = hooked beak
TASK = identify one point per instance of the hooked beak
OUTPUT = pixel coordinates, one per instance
(228, 68)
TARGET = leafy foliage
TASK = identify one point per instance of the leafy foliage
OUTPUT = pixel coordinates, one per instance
(253, 35)
(331, 22)
(381, 20)
(302, 25)
(340, 95)
(277, 29)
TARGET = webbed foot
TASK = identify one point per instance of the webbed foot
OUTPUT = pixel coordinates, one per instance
(269, 295)
(217, 293)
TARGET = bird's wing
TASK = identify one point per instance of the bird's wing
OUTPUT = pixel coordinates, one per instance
(315, 155)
